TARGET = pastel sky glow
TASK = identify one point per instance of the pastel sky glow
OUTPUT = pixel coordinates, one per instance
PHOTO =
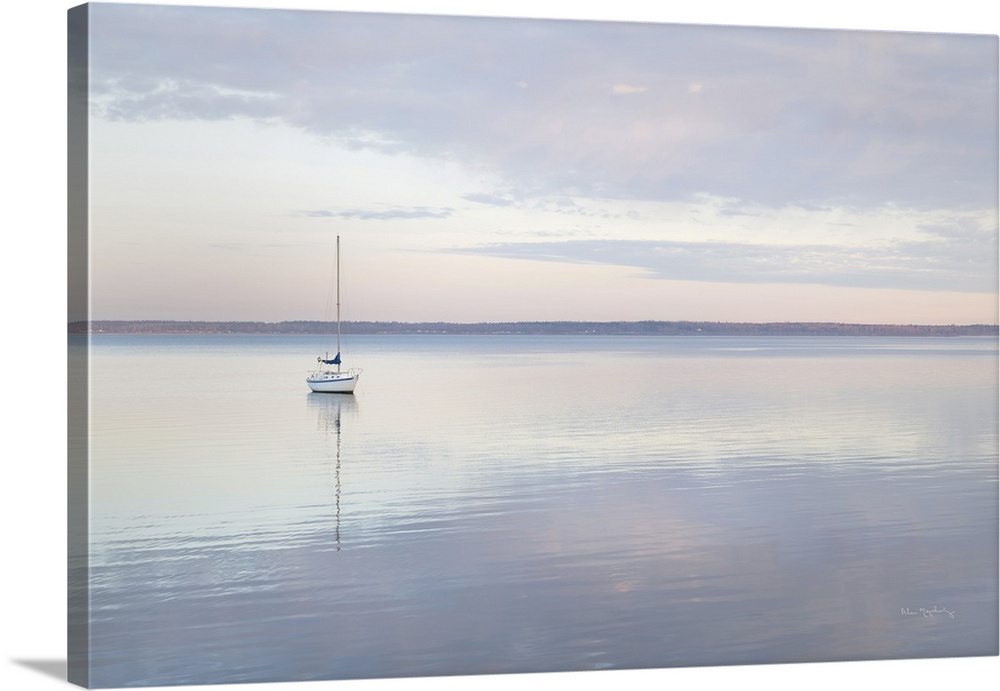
(486, 169)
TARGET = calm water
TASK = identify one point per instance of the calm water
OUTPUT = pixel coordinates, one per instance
(515, 504)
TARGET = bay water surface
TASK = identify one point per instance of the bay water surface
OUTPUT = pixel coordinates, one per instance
(501, 504)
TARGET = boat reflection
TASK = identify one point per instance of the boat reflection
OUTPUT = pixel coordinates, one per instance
(330, 411)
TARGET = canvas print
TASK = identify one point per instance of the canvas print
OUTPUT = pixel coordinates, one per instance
(413, 346)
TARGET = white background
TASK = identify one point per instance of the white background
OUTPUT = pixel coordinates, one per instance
(32, 272)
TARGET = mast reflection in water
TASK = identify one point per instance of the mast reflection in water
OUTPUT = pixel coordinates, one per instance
(329, 414)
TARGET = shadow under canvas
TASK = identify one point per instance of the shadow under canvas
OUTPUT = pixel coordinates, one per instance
(50, 668)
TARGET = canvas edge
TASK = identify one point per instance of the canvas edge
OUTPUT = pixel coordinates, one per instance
(78, 350)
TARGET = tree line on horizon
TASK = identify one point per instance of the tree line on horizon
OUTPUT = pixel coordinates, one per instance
(633, 328)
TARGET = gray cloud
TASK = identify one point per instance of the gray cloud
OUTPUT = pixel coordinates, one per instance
(929, 265)
(494, 199)
(632, 111)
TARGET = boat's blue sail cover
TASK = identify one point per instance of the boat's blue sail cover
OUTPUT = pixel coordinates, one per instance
(334, 361)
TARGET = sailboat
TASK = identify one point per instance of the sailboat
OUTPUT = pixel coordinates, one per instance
(327, 379)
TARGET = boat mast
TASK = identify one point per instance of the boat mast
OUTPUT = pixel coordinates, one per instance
(338, 304)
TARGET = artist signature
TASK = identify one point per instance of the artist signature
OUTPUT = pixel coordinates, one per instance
(925, 612)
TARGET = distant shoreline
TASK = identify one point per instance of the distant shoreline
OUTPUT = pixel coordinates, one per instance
(618, 328)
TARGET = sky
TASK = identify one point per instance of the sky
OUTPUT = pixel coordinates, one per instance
(500, 169)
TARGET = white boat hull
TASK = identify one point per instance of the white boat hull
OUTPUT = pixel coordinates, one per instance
(332, 382)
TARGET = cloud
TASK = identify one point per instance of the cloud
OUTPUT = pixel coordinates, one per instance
(914, 265)
(177, 99)
(493, 199)
(794, 117)
(393, 214)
